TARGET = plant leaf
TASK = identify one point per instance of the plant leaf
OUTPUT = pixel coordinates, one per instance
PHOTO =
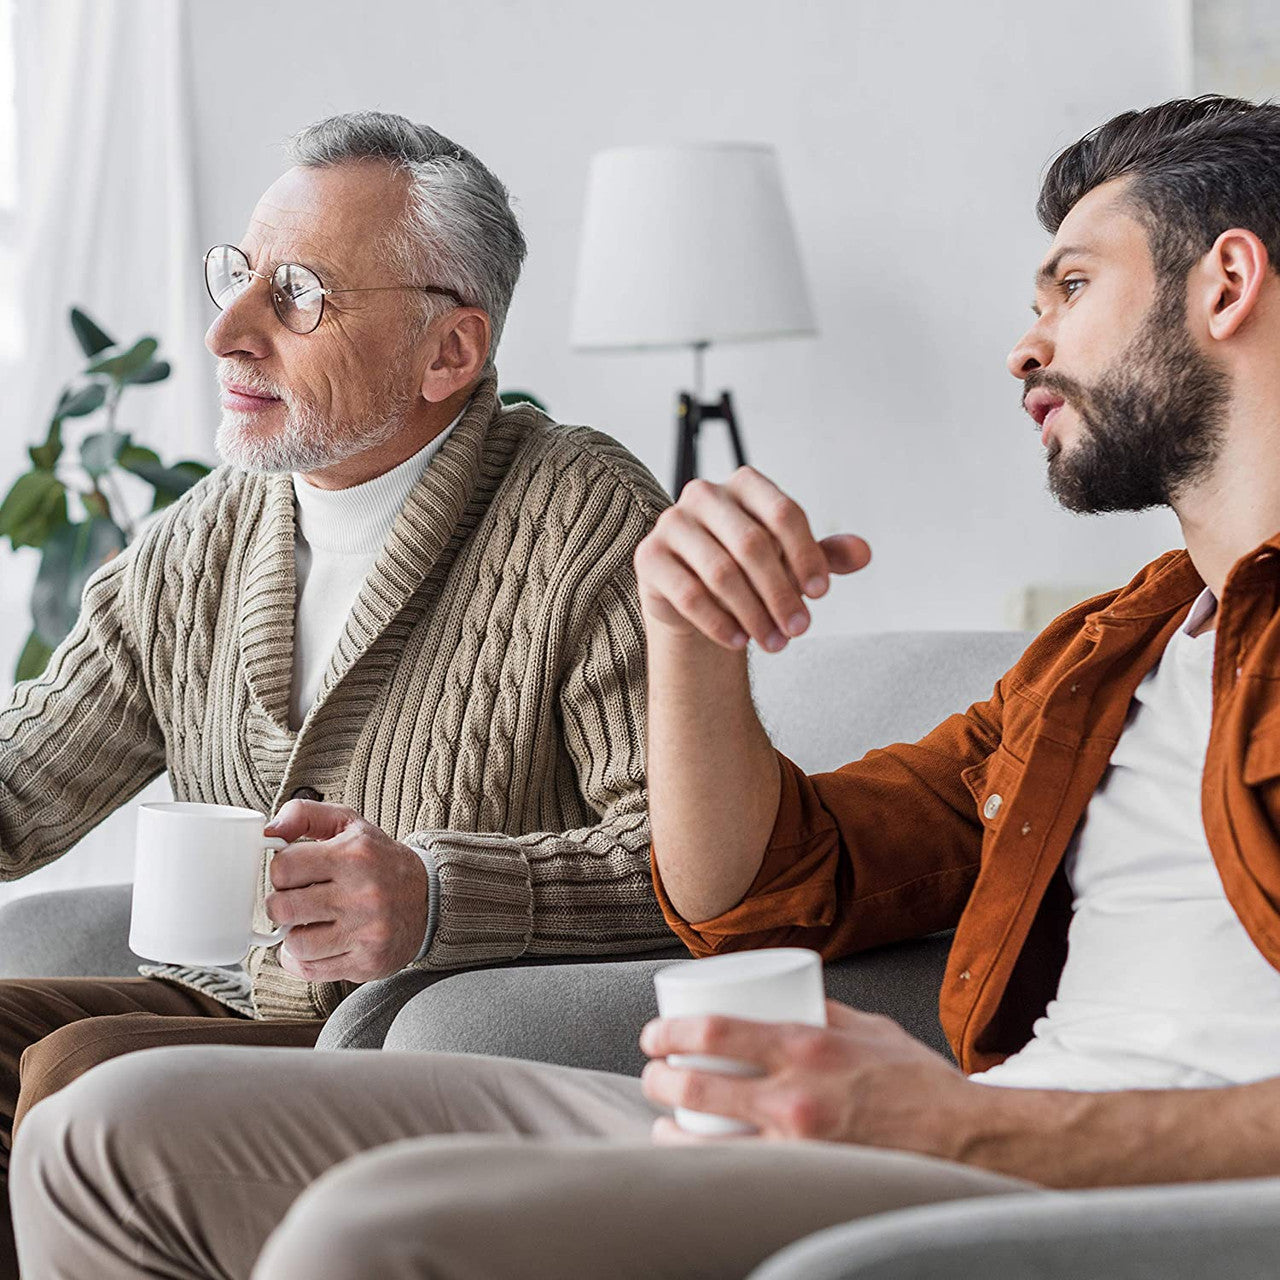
(44, 457)
(71, 556)
(88, 335)
(153, 371)
(33, 659)
(100, 451)
(123, 364)
(33, 509)
(522, 397)
(75, 404)
(137, 458)
(96, 504)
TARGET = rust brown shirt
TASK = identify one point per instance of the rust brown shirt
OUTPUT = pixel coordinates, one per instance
(967, 828)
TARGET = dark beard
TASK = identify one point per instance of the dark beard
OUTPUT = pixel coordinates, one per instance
(1152, 423)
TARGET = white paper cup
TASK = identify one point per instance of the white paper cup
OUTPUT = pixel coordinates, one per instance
(777, 984)
(195, 883)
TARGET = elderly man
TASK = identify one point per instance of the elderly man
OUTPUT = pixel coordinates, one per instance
(403, 619)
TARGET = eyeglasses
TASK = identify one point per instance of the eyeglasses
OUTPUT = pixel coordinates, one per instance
(297, 293)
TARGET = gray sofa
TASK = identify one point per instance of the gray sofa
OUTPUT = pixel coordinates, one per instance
(825, 701)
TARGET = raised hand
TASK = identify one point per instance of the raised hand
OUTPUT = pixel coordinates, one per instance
(735, 561)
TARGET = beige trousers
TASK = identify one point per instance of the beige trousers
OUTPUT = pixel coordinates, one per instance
(305, 1165)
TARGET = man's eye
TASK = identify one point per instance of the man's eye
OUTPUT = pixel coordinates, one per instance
(1068, 286)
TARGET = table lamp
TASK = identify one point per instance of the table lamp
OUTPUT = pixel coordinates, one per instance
(683, 246)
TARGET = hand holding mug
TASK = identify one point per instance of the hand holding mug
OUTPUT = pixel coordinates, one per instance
(354, 899)
(735, 562)
(757, 1050)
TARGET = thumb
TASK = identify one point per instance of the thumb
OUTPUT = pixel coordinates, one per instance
(309, 818)
(846, 552)
(842, 1017)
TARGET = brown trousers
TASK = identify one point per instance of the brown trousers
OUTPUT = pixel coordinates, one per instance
(54, 1029)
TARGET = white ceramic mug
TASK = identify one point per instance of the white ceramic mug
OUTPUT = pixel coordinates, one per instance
(195, 883)
(775, 984)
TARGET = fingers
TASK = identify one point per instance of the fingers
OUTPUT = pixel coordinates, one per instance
(760, 1043)
(310, 818)
(786, 521)
(721, 1095)
(842, 1017)
(845, 552)
(761, 572)
(666, 1133)
(301, 864)
(311, 942)
(736, 562)
(726, 582)
(677, 596)
(332, 969)
(312, 905)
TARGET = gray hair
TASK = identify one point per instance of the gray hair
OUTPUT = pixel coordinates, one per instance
(460, 229)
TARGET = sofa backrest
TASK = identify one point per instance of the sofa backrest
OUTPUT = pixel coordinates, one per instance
(828, 700)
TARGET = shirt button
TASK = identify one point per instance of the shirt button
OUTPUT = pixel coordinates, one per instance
(992, 807)
(1026, 828)
(965, 976)
(305, 793)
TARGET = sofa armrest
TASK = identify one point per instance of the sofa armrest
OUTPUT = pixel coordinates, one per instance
(1227, 1230)
(363, 1019)
(68, 933)
(590, 1015)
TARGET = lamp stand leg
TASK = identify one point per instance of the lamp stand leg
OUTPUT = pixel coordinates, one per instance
(690, 416)
(726, 412)
(688, 421)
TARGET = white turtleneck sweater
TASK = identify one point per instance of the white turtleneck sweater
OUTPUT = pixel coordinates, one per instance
(339, 533)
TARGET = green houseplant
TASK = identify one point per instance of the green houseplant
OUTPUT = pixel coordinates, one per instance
(73, 512)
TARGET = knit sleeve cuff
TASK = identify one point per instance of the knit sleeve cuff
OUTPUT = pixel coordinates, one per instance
(481, 906)
(423, 850)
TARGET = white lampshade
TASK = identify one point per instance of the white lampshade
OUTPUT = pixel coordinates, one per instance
(685, 245)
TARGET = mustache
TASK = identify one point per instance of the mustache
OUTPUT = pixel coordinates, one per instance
(1057, 383)
(248, 377)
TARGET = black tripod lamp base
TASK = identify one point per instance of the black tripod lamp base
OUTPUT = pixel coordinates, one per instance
(690, 416)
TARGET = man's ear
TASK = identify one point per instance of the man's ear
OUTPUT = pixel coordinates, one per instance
(1231, 279)
(459, 342)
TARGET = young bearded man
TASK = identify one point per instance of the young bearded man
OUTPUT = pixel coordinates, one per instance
(1102, 832)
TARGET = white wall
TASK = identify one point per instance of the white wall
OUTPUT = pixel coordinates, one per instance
(912, 138)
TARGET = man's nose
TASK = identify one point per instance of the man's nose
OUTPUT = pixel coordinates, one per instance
(243, 327)
(1033, 351)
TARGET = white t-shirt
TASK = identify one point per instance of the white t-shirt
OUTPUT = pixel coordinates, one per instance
(338, 537)
(1162, 987)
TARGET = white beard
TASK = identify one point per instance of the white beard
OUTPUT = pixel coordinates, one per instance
(308, 442)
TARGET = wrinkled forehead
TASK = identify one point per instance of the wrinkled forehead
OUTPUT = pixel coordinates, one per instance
(334, 219)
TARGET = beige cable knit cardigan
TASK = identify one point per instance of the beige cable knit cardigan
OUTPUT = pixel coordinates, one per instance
(484, 704)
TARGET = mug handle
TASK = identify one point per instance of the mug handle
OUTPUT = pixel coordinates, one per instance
(278, 934)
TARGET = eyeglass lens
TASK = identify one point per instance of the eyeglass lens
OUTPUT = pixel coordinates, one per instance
(296, 292)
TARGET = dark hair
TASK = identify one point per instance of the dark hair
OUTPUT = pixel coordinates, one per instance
(1199, 167)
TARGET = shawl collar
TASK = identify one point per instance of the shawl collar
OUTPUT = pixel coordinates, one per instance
(421, 532)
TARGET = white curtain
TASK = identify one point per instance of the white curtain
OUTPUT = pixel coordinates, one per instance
(106, 215)
(107, 208)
